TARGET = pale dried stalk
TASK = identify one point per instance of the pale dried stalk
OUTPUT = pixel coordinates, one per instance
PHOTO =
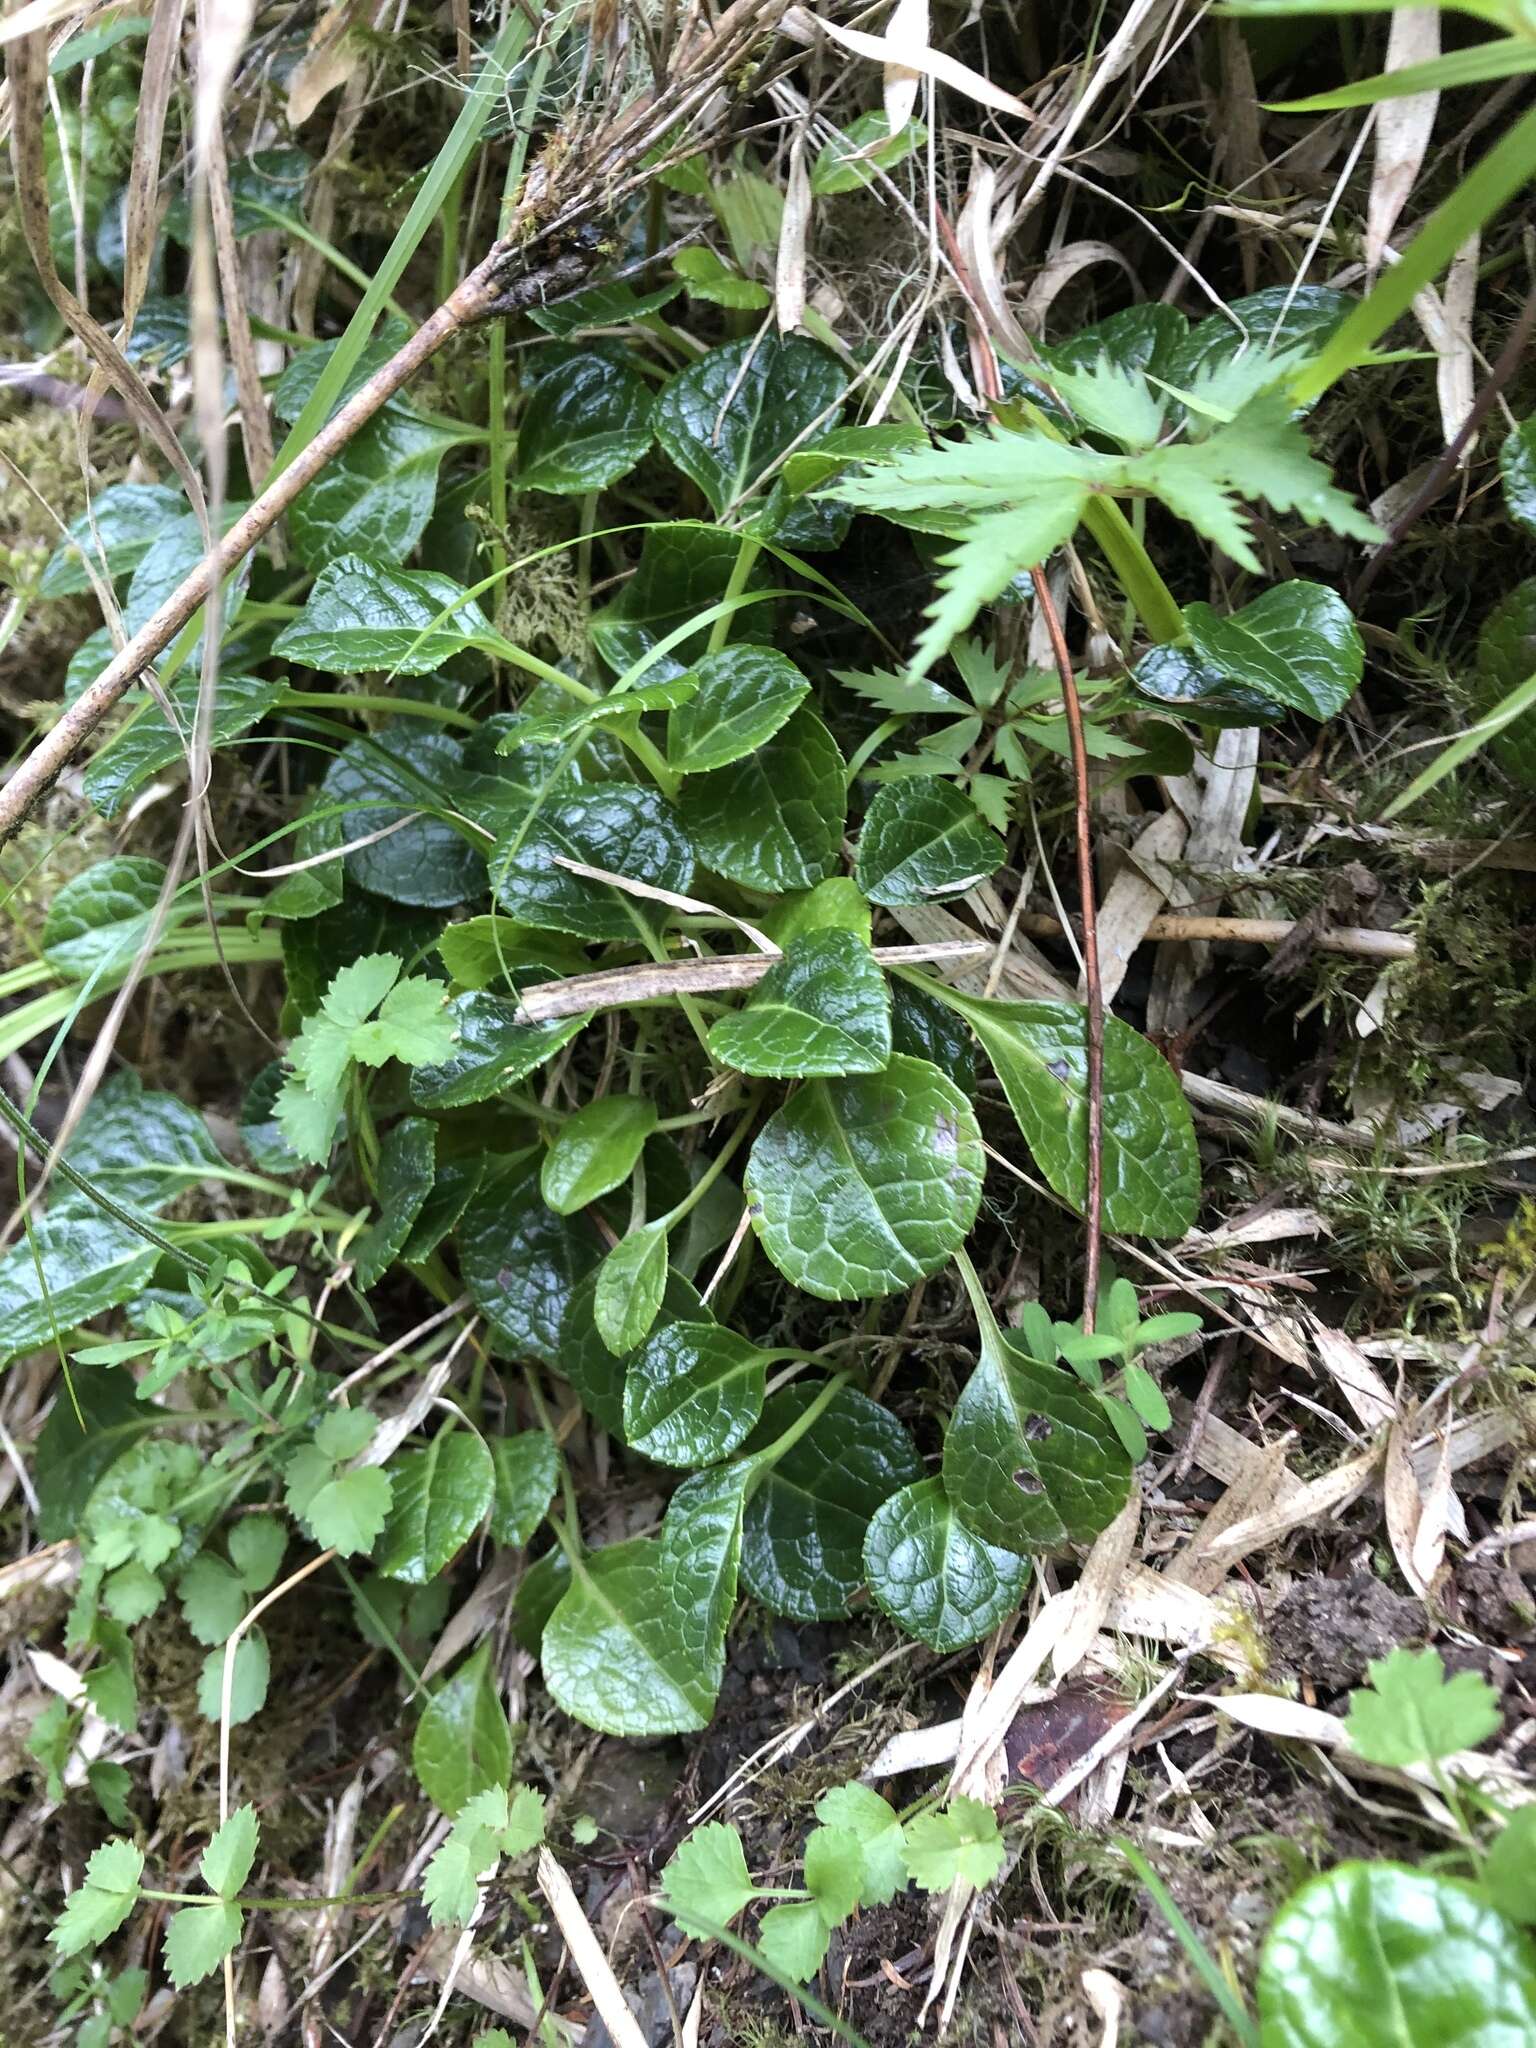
(1361, 940)
(619, 987)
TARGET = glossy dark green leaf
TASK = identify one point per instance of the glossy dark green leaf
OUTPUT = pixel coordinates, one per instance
(929, 1030)
(863, 1186)
(1517, 466)
(383, 779)
(728, 416)
(149, 745)
(463, 1744)
(452, 1191)
(1145, 337)
(176, 550)
(441, 1496)
(630, 1285)
(521, 1262)
(684, 568)
(610, 304)
(117, 533)
(932, 1576)
(1039, 1053)
(617, 826)
(1031, 1458)
(693, 1393)
(744, 695)
(406, 1171)
(585, 425)
(137, 1144)
(266, 179)
(495, 1048)
(81, 1438)
(376, 497)
(593, 1370)
(1273, 320)
(361, 617)
(595, 1151)
(923, 840)
(527, 1471)
(1375, 1955)
(774, 820)
(1296, 647)
(823, 1009)
(1506, 657)
(63, 1273)
(802, 1551)
(98, 919)
(636, 1646)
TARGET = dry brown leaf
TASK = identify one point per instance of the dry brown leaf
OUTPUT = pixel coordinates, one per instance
(794, 228)
(1201, 1564)
(1134, 898)
(908, 55)
(1351, 1372)
(1094, 1592)
(1403, 127)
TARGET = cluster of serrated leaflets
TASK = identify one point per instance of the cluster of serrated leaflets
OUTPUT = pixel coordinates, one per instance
(862, 1854)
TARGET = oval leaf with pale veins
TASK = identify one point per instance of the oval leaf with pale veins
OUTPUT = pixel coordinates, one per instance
(726, 417)
(595, 1151)
(521, 1262)
(406, 1171)
(693, 1394)
(823, 1009)
(630, 1284)
(803, 1536)
(1039, 1053)
(923, 840)
(361, 616)
(932, 1576)
(636, 1645)
(774, 820)
(1295, 648)
(441, 1496)
(1381, 1956)
(863, 1186)
(463, 1744)
(745, 694)
(616, 826)
(595, 1372)
(1031, 1458)
(527, 1468)
(387, 779)
(586, 424)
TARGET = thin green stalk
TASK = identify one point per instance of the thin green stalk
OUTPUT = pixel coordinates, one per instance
(1134, 569)
(768, 1457)
(1205, 1964)
(363, 700)
(741, 569)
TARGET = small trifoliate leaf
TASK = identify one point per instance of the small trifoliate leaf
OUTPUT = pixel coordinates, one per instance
(226, 1862)
(794, 1938)
(834, 1872)
(707, 1877)
(1411, 1713)
(860, 1811)
(448, 1887)
(413, 1026)
(961, 1842)
(343, 1432)
(213, 1601)
(249, 1681)
(348, 1514)
(256, 1546)
(198, 1939)
(103, 1902)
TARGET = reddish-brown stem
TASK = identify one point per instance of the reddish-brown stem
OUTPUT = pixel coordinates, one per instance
(992, 390)
(1093, 1209)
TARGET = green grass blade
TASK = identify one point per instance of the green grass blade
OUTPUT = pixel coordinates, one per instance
(1510, 164)
(425, 207)
(1505, 712)
(1234, 2011)
(1504, 59)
